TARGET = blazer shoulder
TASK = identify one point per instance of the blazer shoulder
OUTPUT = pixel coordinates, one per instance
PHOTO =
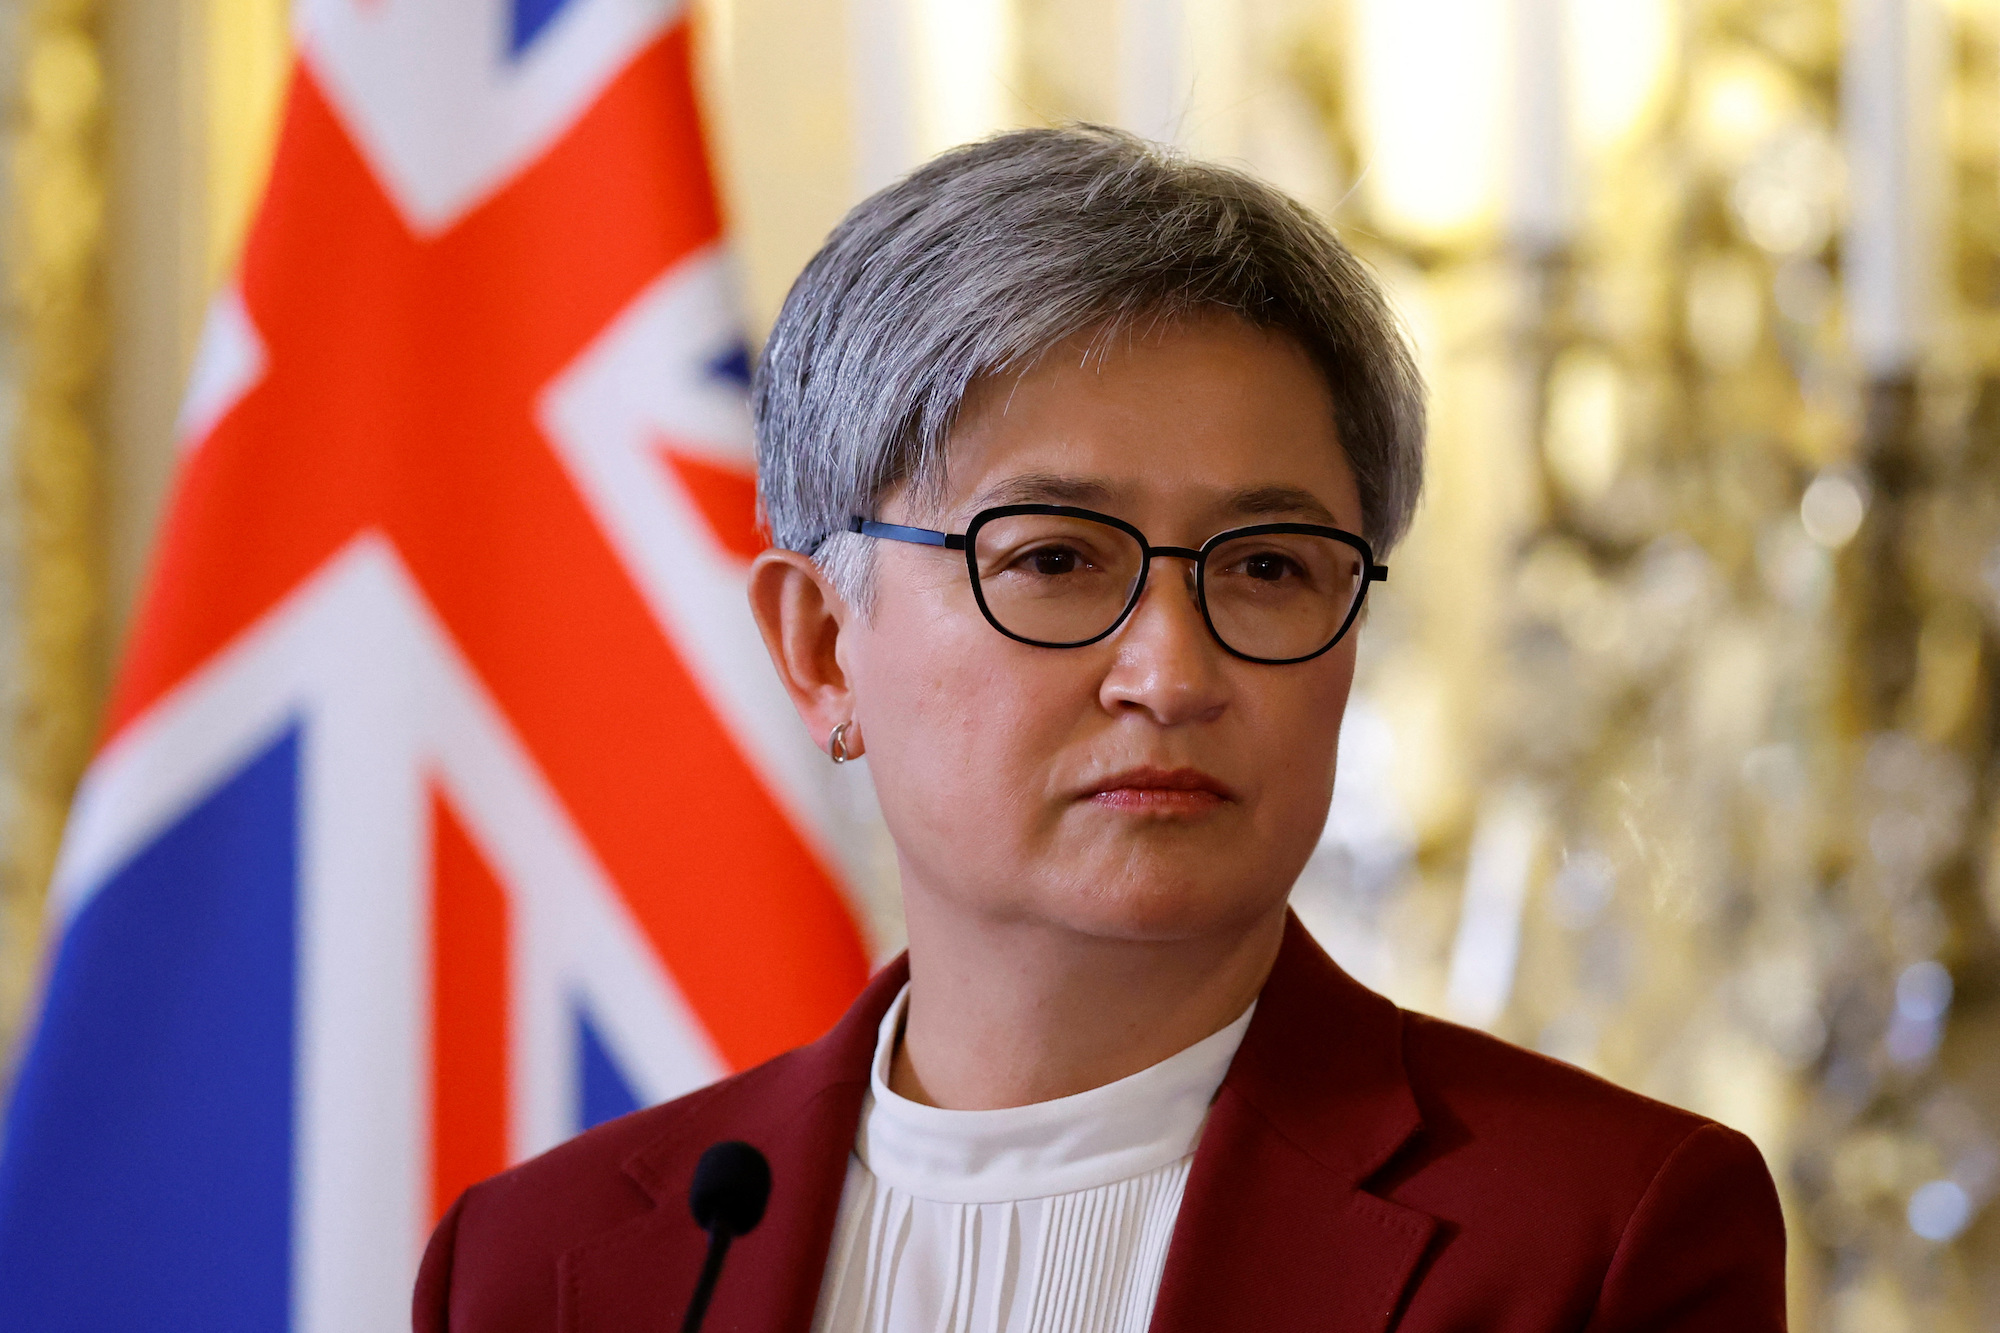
(1464, 1072)
(1512, 1126)
(1646, 1216)
(492, 1263)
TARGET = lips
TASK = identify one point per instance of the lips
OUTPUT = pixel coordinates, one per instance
(1161, 790)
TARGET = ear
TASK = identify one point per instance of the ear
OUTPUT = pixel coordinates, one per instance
(801, 618)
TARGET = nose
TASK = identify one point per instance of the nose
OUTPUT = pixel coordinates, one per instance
(1166, 664)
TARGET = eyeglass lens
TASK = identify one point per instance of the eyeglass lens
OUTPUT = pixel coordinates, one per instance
(1058, 580)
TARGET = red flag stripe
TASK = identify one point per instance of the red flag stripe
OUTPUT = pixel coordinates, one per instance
(470, 1010)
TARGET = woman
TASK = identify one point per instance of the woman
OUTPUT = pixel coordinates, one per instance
(1080, 461)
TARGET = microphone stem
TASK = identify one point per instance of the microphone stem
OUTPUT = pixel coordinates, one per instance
(711, 1269)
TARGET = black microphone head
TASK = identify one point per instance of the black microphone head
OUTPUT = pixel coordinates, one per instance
(732, 1182)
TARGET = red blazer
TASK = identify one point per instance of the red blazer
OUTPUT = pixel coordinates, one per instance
(1363, 1169)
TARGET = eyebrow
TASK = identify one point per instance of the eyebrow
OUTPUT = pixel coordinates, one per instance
(1044, 488)
(1276, 501)
(1085, 492)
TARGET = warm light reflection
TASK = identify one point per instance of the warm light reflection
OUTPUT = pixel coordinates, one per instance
(1585, 434)
(965, 66)
(1740, 99)
(1432, 80)
(1621, 53)
(249, 60)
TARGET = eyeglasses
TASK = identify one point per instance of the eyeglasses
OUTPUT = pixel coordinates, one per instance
(1060, 577)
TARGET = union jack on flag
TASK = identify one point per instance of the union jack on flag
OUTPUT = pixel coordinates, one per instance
(447, 804)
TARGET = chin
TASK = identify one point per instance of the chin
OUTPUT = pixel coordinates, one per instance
(1167, 905)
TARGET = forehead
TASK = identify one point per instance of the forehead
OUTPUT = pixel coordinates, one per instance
(1205, 414)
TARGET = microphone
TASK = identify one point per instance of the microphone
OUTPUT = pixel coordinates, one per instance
(732, 1183)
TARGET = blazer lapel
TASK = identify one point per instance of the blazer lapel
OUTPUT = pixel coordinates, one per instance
(802, 1111)
(1275, 1231)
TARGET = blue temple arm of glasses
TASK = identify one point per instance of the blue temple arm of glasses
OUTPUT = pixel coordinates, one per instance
(896, 532)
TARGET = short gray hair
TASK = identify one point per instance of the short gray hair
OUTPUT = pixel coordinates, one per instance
(989, 255)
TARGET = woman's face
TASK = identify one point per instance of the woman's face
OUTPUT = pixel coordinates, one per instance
(1051, 785)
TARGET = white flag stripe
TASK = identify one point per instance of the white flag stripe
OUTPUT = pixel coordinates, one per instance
(432, 96)
(645, 384)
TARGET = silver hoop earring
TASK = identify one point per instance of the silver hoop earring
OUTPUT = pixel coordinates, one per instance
(836, 744)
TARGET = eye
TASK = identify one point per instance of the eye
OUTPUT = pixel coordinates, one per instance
(1270, 566)
(1054, 561)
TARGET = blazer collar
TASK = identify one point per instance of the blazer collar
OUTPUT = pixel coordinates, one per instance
(1275, 1230)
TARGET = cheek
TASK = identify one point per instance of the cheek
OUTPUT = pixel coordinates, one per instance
(960, 723)
(1296, 722)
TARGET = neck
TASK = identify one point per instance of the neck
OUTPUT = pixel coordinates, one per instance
(1012, 1013)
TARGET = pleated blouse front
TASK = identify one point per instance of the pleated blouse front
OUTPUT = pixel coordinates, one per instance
(1033, 1219)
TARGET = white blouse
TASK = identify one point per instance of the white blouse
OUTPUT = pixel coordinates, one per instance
(1031, 1219)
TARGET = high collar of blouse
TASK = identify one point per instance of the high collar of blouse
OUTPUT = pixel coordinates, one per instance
(1123, 1129)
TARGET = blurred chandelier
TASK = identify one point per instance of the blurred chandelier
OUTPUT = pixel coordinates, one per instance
(1688, 673)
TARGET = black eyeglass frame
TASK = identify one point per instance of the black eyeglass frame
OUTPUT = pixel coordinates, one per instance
(967, 542)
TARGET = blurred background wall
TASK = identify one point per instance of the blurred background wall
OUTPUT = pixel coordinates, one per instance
(1673, 750)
